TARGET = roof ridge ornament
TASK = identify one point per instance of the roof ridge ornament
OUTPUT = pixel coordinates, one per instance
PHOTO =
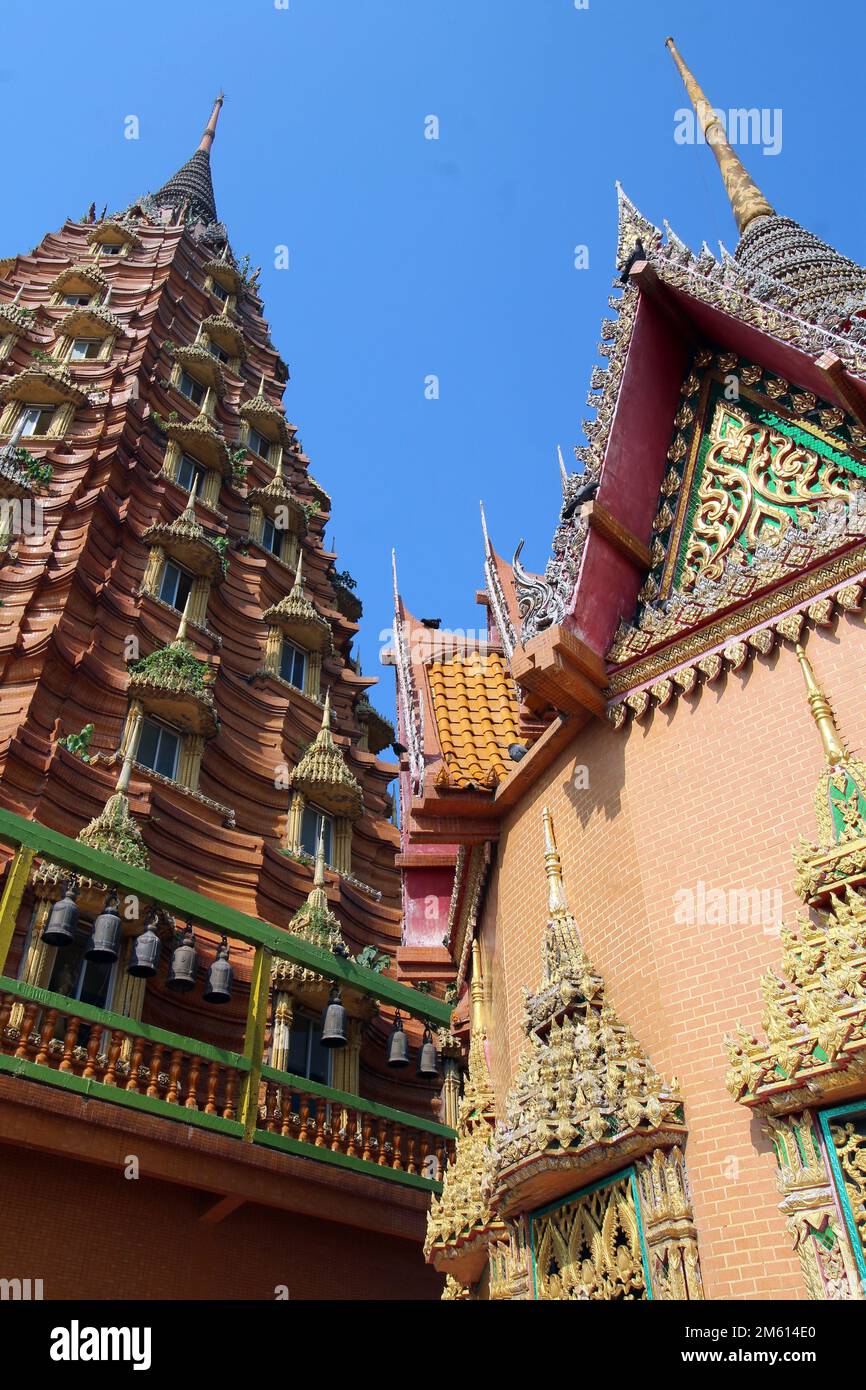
(746, 199)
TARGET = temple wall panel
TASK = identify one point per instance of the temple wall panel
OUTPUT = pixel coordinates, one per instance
(711, 792)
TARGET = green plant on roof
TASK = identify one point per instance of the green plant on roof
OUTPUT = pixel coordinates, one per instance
(174, 667)
(222, 545)
(79, 744)
(374, 959)
(344, 580)
(34, 470)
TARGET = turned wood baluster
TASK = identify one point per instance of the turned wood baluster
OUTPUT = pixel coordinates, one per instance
(320, 1123)
(213, 1076)
(92, 1051)
(422, 1157)
(231, 1087)
(411, 1166)
(46, 1034)
(441, 1159)
(5, 1011)
(191, 1102)
(367, 1138)
(27, 1025)
(155, 1061)
(270, 1108)
(382, 1136)
(397, 1161)
(69, 1043)
(305, 1119)
(174, 1076)
(117, 1039)
(286, 1107)
(134, 1064)
(352, 1135)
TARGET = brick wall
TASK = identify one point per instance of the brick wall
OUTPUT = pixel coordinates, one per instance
(716, 788)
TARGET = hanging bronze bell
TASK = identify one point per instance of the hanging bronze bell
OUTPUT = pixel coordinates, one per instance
(334, 1023)
(428, 1061)
(62, 922)
(220, 977)
(398, 1045)
(181, 967)
(105, 942)
(144, 953)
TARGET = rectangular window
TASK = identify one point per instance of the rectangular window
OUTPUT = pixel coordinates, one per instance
(37, 419)
(158, 748)
(85, 349)
(293, 664)
(218, 292)
(193, 390)
(110, 248)
(190, 471)
(75, 300)
(258, 443)
(175, 586)
(307, 1057)
(272, 539)
(216, 351)
(311, 825)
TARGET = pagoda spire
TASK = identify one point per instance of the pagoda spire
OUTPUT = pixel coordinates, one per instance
(831, 741)
(207, 138)
(746, 199)
(189, 192)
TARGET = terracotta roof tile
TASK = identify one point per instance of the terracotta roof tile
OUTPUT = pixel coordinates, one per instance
(476, 711)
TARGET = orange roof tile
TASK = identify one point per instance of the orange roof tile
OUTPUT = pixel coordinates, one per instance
(476, 711)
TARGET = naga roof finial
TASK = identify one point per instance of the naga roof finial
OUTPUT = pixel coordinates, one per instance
(746, 199)
(834, 749)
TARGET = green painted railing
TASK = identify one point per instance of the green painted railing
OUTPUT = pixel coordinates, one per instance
(50, 1038)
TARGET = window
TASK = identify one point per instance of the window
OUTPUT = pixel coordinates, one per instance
(190, 472)
(293, 664)
(158, 748)
(85, 349)
(37, 419)
(74, 300)
(272, 539)
(258, 443)
(175, 586)
(216, 351)
(110, 248)
(193, 390)
(312, 822)
(307, 1057)
(218, 292)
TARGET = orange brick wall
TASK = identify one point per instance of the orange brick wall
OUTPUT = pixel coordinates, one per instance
(88, 1233)
(715, 788)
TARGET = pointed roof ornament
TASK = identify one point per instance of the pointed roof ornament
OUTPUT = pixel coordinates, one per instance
(556, 900)
(746, 199)
(180, 636)
(834, 748)
(563, 471)
(114, 831)
(634, 233)
(323, 775)
(487, 545)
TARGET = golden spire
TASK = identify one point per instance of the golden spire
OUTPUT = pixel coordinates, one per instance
(180, 636)
(326, 713)
(834, 749)
(746, 199)
(553, 867)
(476, 990)
(210, 129)
(129, 756)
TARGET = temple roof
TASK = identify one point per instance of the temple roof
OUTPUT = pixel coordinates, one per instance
(476, 710)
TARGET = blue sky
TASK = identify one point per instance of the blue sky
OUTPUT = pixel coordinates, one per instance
(411, 257)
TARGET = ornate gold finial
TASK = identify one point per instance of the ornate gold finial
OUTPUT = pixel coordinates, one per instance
(476, 990)
(553, 867)
(180, 635)
(834, 749)
(746, 199)
(207, 138)
(326, 712)
(125, 775)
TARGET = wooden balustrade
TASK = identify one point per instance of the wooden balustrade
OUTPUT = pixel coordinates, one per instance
(318, 1116)
(64, 1036)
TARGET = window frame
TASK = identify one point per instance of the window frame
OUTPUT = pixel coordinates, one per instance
(162, 729)
(198, 386)
(287, 644)
(182, 574)
(311, 809)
